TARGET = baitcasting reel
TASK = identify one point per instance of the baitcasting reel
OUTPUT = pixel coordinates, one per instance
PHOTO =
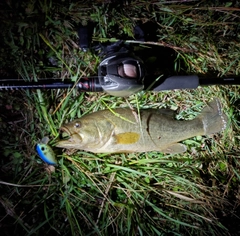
(121, 74)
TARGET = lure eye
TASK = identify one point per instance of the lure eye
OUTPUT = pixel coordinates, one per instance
(42, 148)
(77, 125)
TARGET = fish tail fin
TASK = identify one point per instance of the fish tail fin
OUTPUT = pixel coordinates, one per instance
(214, 120)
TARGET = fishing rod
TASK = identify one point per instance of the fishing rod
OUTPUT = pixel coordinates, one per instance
(119, 86)
(123, 72)
(85, 84)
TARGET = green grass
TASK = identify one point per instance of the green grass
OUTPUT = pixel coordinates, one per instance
(195, 193)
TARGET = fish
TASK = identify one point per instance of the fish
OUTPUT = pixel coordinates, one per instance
(46, 153)
(123, 130)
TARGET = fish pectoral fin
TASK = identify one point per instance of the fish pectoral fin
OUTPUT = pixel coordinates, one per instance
(175, 148)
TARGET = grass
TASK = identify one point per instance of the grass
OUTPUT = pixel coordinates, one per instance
(195, 193)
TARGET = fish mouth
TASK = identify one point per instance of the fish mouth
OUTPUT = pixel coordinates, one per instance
(67, 139)
(65, 134)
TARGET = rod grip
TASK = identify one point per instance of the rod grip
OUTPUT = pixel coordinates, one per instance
(179, 82)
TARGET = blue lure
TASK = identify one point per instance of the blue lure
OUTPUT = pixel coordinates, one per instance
(46, 153)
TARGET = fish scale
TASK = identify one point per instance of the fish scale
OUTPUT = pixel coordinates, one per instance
(119, 130)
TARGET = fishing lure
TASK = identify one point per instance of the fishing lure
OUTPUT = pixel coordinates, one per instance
(46, 153)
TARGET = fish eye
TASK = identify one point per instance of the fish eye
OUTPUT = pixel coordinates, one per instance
(77, 125)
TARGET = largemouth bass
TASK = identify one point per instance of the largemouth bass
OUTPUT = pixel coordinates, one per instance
(123, 131)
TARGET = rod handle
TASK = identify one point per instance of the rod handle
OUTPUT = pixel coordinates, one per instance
(179, 82)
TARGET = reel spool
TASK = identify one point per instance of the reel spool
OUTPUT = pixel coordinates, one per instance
(121, 74)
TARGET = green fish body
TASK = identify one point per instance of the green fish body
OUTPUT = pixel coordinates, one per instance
(123, 131)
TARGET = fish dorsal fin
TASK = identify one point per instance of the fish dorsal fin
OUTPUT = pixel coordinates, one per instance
(175, 148)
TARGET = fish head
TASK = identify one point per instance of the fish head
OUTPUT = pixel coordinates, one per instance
(84, 134)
